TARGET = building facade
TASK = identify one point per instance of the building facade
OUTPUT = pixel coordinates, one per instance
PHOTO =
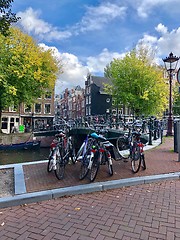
(38, 116)
(70, 104)
(97, 102)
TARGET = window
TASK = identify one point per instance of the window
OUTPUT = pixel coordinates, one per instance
(89, 99)
(48, 95)
(4, 123)
(27, 108)
(47, 108)
(11, 119)
(86, 111)
(13, 108)
(37, 108)
(89, 110)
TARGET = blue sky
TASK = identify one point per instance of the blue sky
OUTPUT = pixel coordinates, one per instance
(87, 34)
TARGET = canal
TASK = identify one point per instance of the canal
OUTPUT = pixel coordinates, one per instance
(22, 156)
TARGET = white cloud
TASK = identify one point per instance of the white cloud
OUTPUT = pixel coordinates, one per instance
(96, 17)
(145, 7)
(74, 73)
(98, 63)
(32, 24)
(169, 42)
(161, 28)
(166, 43)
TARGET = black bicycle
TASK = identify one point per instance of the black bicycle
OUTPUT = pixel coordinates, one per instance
(131, 147)
(62, 151)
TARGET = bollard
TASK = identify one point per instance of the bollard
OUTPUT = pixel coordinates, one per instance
(150, 132)
(178, 140)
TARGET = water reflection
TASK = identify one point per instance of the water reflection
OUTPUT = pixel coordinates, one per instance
(21, 156)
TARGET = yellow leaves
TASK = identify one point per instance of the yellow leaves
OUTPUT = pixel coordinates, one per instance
(27, 69)
(145, 95)
(12, 90)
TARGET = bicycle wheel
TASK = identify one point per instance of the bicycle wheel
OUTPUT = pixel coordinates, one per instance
(143, 163)
(60, 168)
(72, 150)
(122, 147)
(135, 159)
(94, 168)
(84, 168)
(50, 164)
(110, 167)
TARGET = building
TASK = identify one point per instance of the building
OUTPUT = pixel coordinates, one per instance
(39, 116)
(70, 104)
(97, 102)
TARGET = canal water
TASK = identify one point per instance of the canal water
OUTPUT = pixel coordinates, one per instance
(22, 156)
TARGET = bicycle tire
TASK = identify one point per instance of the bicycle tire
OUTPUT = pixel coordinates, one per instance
(60, 168)
(72, 151)
(135, 159)
(50, 161)
(122, 148)
(143, 163)
(50, 165)
(84, 169)
(110, 167)
(94, 168)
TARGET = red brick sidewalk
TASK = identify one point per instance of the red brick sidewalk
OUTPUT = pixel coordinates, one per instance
(159, 160)
(145, 212)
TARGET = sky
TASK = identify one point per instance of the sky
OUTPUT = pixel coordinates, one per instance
(86, 35)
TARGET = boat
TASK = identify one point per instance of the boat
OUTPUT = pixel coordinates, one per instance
(21, 146)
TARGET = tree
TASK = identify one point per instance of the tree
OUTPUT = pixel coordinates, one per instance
(26, 70)
(6, 16)
(137, 83)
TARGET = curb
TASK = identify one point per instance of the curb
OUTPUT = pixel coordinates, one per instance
(22, 197)
(92, 187)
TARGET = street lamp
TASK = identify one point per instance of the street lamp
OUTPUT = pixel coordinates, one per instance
(170, 63)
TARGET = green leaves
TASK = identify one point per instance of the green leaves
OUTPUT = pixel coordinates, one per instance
(137, 83)
(26, 70)
(6, 16)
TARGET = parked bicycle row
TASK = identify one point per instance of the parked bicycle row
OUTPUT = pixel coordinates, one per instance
(94, 151)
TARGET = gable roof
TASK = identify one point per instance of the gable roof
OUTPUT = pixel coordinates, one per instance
(99, 81)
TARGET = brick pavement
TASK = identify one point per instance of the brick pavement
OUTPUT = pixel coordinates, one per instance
(148, 211)
(159, 160)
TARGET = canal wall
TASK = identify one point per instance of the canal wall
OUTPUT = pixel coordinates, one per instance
(13, 138)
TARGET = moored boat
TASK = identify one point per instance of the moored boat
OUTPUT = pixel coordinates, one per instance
(20, 146)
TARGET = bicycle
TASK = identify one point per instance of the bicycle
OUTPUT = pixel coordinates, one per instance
(102, 156)
(131, 147)
(83, 155)
(61, 152)
(95, 153)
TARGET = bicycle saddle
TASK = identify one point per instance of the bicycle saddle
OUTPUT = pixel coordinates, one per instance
(98, 137)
